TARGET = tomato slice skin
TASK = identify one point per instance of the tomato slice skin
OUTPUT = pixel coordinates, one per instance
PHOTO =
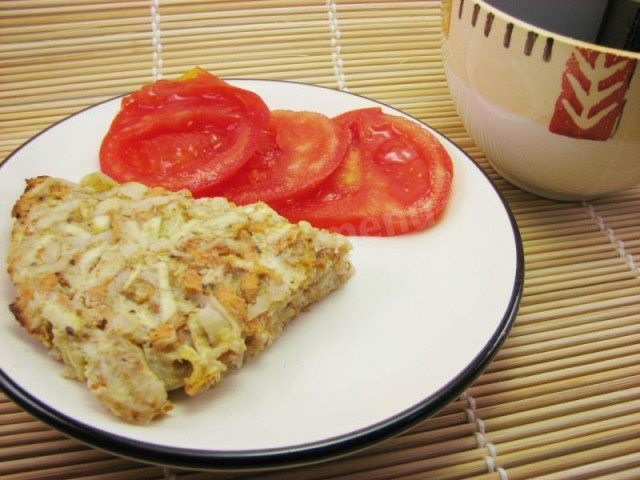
(193, 133)
(395, 178)
(179, 148)
(197, 87)
(297, 151)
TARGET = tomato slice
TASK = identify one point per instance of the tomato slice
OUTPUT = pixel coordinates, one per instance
(178, 148)
(197, 87)
(193, 133)
(297, 151)
(395, 178)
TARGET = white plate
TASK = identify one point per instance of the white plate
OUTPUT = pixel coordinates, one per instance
(421, 318)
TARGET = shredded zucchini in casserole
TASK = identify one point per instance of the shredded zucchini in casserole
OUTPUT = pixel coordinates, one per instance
(140, 291)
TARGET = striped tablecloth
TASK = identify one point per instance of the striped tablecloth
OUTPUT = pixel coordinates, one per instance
(562, 398)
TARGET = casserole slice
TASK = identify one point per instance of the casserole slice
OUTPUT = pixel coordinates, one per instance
(141, 291)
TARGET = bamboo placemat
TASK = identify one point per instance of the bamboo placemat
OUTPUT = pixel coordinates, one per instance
(562, 398)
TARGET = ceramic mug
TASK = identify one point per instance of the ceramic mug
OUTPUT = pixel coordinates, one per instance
(556, 116)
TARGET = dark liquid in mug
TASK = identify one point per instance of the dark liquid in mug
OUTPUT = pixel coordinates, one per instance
(614, 23)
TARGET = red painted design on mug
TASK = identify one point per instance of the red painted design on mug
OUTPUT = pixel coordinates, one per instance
(594, 85)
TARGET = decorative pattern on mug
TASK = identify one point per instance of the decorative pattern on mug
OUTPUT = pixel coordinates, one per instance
(592, 95)
(487, 25)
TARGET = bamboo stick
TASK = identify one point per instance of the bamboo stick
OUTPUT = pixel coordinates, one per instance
(554, 450)
(25, 9)
(561, 418)
(247, 23)
(620, 462)
(16, 417)
(576, 309)
(26, 124)
(530, 213)
(75, 16)
(555, 290)
(623, 317)
(10, 25)
(566, 292)
(455, 407)
(359, 14)
(579, 295)
(625, 207)
(570, 336)
(140, 76)
(551, 452)
(569, 251)
(550, 244)
(572, 272)
(412, 75)
(505, 422)
(69, 467)
(418, 468)
(418, 441)
(16, 5)
(570, 214)
(44, 45)
(39, 449)
(493, 406)
(536, 222)
(466, 470)
(539, 205)
(27, 32)
(64, 459)
(621, 428)
(19, 136)
(586, 457)
(69, 94)
(88, 84)
(311, 34)
(8, 429)
(75, 38)
(548, 232)
(567, 362)
(446, 419)
(625, 195)
(519, 447)
(9, 408)
(512, 391)
(29, 438)
(572, 258)
(204, 33)
(625, 216)
(627, 233)
(141, 472)
(380, 464)
(452, 432)
(551, 377)
(566, 354)
(248, 8)
(63, 62)
(179, 5)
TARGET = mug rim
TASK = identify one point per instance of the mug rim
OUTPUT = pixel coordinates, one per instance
(522, 24)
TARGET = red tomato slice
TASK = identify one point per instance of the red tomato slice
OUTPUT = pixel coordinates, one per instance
(298, 150)
(178, 148)
(395, 178)
(197, 87)
(191, 133)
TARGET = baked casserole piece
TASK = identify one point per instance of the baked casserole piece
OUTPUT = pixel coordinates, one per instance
(140, 291)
